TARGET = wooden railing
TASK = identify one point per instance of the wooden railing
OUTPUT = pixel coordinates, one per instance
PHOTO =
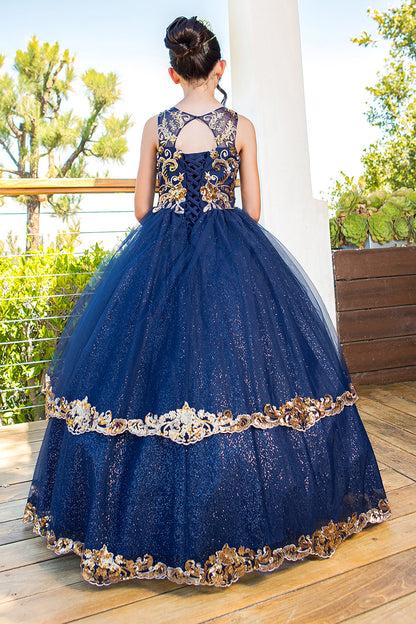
(48, 186)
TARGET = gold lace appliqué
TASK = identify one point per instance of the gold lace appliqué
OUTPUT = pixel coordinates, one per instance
(172, 193)
(226, 566)
(187, 425)
(218, 191)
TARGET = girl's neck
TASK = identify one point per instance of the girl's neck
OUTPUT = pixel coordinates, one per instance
(197, 106)
(198, 102)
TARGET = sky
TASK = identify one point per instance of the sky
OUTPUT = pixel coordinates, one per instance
(127, 37)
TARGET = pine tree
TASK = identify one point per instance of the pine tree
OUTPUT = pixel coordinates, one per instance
(41, 138)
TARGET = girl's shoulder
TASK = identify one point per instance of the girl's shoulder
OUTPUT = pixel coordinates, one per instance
(246, 132)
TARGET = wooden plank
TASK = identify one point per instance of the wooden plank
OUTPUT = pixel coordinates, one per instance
(16, 475)
(384, 376)
(392, 480)
(14, 492)
(370, 355)
(19, 555)
(387, 414)
(385, 397)
(402, 501)
(402, 439)
(8, 430)
(196, 604)
(376, 323)
(394, 457)
(374, 292)
(400, 611)
(404, 390)
(346, 595)
(24, 436)
(16, 462)
(44, 576)
(15, 531)
(358, 263)
(74, 601)
(13, 510)
(32, 186)
(19, 450)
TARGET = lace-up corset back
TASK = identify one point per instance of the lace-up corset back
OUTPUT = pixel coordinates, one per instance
(194, 183)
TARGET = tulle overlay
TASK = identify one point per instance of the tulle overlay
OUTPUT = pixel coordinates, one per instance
(202, 417)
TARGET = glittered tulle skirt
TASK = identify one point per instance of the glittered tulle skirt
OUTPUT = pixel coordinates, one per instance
(202, 420)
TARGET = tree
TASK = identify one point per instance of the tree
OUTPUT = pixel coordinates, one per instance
(42, 139)
(391, 161)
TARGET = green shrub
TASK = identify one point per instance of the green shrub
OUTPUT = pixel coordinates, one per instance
(38, 293)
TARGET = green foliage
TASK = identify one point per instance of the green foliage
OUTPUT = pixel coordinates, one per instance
(391, 161)
(382, 214)
(39, 291)
(345, 185)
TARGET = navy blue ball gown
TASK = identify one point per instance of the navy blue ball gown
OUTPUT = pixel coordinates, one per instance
(202, 420)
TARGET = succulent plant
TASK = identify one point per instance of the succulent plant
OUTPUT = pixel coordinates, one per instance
(401, 228)
(412, 229)
(335, 232)
(381, 227)
(355, 228)
(383, 213)
(377, 198)
(347, 202)
(391, 208)
(410, 194)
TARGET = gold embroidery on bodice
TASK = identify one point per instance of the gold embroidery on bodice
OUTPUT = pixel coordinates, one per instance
(222, 164)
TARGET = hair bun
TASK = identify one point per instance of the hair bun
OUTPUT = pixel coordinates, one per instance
(182, 39)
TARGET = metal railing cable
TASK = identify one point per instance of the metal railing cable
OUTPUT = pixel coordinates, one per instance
(30, 320)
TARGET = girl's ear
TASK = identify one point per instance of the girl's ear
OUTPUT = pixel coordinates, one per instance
(174, 75)
(220, 68)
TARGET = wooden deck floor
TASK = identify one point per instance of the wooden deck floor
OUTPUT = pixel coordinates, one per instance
(371, 578)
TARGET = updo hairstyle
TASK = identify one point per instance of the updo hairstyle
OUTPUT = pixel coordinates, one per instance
(193, 49)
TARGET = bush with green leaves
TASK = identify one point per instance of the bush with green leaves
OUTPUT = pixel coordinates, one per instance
(38, 293)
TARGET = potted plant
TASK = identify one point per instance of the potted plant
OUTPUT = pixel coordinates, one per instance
(373, 240)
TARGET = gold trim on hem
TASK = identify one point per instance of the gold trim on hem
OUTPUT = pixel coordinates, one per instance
(187, 425)
(226, 566)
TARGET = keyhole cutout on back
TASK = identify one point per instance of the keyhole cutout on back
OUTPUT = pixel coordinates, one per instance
(195, 136)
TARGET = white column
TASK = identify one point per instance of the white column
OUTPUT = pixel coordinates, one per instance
(267, 87)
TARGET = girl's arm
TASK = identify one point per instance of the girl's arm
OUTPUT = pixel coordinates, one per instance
(146, 176)
(246, 145)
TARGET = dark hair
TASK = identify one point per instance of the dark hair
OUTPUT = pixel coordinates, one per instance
(191, 55)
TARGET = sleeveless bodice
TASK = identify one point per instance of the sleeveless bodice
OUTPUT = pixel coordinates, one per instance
(194, 183)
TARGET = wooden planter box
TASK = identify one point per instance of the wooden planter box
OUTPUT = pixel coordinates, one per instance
(375, 293)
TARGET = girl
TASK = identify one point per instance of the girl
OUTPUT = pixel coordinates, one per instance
(202, 420)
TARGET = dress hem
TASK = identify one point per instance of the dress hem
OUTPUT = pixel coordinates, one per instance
(226, 566)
